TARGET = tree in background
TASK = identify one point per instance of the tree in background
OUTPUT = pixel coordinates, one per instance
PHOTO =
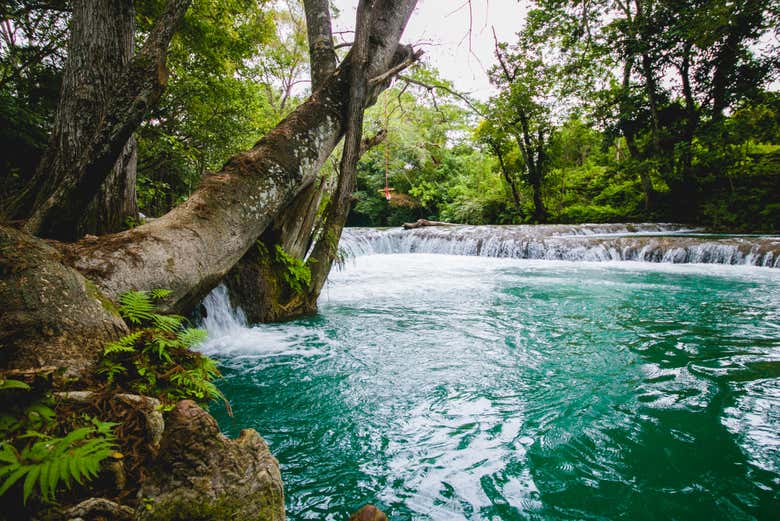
(33, 39)
(215, 105)
(660, 81)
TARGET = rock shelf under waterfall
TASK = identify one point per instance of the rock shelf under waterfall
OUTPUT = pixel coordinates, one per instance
(586, 242)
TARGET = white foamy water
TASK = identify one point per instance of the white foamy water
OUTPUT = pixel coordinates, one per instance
(230, 335)
(657, 243)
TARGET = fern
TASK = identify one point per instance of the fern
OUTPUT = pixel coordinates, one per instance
(190, 337)
(168, 323)
(136, 306)
(126, 344)
(50, 461)
(160, 294)
(157, 359)
(295, 272)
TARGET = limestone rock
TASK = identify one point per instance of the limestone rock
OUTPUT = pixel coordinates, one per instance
(52, 315)
(202, 475)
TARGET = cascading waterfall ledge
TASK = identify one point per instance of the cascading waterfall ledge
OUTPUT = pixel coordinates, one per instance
(587, 242)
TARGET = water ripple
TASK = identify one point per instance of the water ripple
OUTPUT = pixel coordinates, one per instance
(446, 388)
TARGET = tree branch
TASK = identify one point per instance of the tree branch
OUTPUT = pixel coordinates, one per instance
(415, 56)
(457, 94)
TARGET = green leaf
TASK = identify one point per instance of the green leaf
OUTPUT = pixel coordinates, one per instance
(13, 478)
(191, 337)
(159, 294)
(13, 384)
(136, 306)
(168, 323)
(29, 481)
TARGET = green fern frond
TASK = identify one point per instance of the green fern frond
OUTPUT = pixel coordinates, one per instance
(162, 347)
(51, 461)
(191, 337)
(159, 294)
(111, 369)
(136, 306)
(168, 323)
(126, 344)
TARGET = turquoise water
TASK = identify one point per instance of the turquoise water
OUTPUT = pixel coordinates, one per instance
(445, 388)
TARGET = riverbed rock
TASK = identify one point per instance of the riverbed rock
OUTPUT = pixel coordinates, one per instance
(200, 474)
(52, 315)
(368, 513)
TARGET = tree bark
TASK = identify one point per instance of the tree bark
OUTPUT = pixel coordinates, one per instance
(507, 176)
(100, 46)
(322, 55)
(642, 37)
(190, 249)
(258, 283)
(532, 157)
(73, 183)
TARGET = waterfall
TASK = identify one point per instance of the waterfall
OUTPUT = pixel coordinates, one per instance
(588, 242)
(221, 318)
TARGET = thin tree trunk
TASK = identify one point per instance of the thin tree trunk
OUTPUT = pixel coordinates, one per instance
(532, 155)
(626, 128)
(691, 116)
(322, 55)
(651, 86)
(507, 176)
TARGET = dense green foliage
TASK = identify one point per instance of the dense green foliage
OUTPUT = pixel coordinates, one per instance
(38, 451)
(295, 272)
(156, 358)
(603, 111)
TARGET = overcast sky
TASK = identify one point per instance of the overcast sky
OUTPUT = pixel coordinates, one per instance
(441, 29)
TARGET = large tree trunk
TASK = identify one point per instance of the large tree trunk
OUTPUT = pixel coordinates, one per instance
(190, 249)
(258, 283)
(100, 46)
(65, 186)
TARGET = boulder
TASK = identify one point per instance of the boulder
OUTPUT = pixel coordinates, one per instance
(368, 513)
(200, 474)
(52, 315)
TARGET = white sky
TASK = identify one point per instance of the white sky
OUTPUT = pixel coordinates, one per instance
(441, 29)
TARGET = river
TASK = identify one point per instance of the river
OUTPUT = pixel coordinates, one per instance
(470, 386)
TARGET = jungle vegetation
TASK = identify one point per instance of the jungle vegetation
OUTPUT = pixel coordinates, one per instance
(604, 111)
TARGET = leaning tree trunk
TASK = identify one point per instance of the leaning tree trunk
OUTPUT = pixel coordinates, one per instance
(190, 249)
(260, 282)
(100, 46)
(257, 282)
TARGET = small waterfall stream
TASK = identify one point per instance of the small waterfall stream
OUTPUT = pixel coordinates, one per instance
(221, 319)
(586, 242)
